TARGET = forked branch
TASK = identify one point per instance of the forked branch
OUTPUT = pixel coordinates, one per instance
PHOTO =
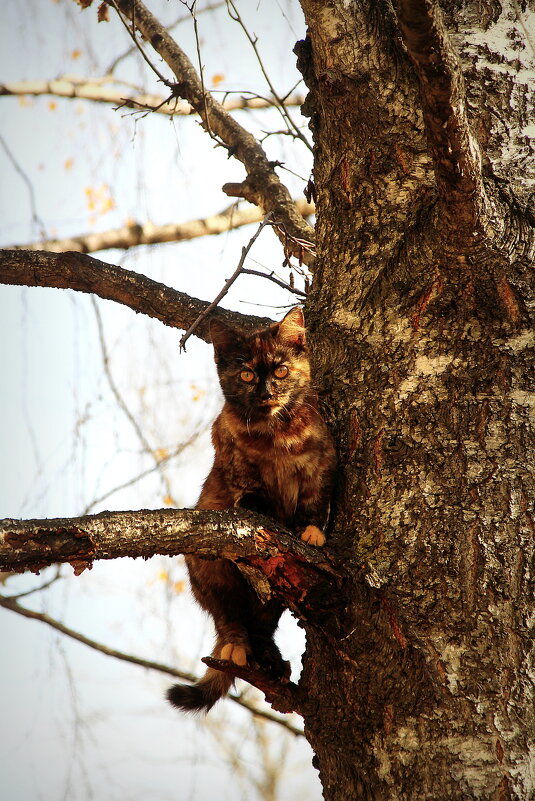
(453, 147)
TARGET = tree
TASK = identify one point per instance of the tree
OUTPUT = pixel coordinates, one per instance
(421, 321)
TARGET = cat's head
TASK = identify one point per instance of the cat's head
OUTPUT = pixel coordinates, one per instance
(264, 373)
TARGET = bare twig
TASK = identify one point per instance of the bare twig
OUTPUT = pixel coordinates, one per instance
(178, 21)
(272, 277)
(31, 192)
(132, 33)
(12, 604)
(143, 474)
(95, 91)
(228, 284)
(235, 15)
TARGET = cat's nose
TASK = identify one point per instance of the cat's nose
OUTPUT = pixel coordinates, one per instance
(265, 392)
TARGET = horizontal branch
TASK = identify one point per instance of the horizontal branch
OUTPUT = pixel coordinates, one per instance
(279, 560)
(95, 91)
(86, 274)
(136, 234)
(455, 152)
(263, 184)
(13, 605)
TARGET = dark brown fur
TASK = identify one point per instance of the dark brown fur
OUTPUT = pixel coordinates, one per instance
(273, 454)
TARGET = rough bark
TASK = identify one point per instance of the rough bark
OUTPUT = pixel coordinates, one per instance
(423, 329)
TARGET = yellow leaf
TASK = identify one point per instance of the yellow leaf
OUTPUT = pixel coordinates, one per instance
(76, 54)
(160, 454)
(197, 393)
(52, 105)
(217, 78)
(163, 575)
(178, 587)
(169, 501)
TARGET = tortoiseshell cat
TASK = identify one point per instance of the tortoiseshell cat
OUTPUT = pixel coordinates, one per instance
(273, 454)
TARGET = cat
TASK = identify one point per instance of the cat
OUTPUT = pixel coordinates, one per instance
(273, 454)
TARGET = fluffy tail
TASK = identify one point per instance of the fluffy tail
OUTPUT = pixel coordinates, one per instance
(202, 696)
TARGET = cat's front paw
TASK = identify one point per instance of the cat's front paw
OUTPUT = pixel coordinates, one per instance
(234, 653)
(314, 536)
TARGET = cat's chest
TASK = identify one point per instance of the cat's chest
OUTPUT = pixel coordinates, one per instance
(284, 472)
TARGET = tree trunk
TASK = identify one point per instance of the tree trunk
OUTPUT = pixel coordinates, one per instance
(423, 331)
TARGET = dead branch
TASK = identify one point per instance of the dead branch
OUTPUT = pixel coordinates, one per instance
(455, 152)
(282, 696)
(86, 274)
(136, 234)
(270, 194)
(11, 603)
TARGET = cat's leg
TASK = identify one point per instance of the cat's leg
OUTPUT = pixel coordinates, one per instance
(262, 627)
(222, 591)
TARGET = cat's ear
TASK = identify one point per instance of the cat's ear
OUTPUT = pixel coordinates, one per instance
(225, 340)
(292, 328)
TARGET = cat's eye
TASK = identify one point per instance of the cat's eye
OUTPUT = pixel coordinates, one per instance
(281, 371)
(247, 376)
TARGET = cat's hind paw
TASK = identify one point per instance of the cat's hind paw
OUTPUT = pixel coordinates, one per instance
(314, 536)
(232, 652)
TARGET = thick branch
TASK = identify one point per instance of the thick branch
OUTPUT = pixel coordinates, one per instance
(274, 560)
(87, 274)
(454, 149)
(94, 91)
(263, 185)
(149, 234)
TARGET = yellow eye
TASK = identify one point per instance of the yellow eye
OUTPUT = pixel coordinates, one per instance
(247, 376)
(281, 371)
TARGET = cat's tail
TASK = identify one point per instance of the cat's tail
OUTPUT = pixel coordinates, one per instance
(200, 697)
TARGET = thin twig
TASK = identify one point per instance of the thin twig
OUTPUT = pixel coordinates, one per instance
(14, 606)
(228, 284)
(31, 192)
(193, 11)
(271, 277)
(279, 101)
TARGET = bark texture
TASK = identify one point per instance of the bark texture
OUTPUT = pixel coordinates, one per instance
(423, 316)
